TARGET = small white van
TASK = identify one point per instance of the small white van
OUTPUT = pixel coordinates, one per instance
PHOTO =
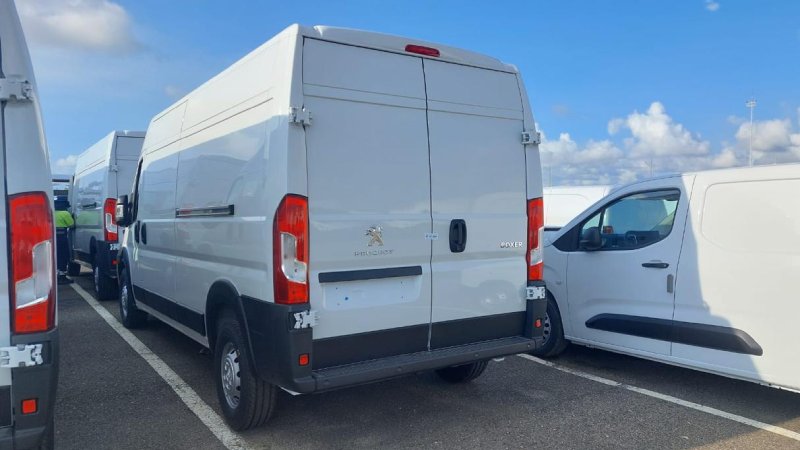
(336, 208)
(28, 330)
(102, 173)
(563, 203)
(697, 270)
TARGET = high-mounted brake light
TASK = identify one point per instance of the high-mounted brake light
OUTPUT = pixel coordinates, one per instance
(290, 250)
(110, 220)
(32, 255)
(535, 237)
(422, 50)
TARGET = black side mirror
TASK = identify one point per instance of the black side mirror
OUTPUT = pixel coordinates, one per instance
(123, 211)
(591, 241)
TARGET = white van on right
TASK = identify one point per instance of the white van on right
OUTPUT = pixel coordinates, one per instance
(697, 270)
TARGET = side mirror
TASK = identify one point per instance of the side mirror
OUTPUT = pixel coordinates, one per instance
(591, 241)
(123, 211)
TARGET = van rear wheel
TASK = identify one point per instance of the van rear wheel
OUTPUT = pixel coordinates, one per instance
(246, 400)
(132, 317)
(554, 343)
(463, 373)
(104, 286)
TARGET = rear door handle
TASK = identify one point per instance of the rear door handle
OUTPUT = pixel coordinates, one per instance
(655, 265)
(144, 233)
(458, 235)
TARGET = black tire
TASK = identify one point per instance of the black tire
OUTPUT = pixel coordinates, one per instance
(252, 402)
(554, 342)
(104, 286)
(130, 315)
(463, 373)
(73, 269)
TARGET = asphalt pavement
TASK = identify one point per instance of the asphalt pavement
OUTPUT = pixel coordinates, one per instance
(110, 397)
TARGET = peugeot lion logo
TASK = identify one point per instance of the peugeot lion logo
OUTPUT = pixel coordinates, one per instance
(375, 235)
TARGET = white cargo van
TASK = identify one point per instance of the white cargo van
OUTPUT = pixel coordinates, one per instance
(102, 173)
(698, 270)
(340, 207)
(563, 203)
(28, 332)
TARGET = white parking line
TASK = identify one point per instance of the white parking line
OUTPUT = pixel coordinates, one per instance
(193, 401)
(668, 398)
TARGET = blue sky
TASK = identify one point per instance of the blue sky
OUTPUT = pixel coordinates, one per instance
(617, 87)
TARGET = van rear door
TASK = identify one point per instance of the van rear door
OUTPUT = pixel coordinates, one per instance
(369, 202)
(478, 183)
(127, 152)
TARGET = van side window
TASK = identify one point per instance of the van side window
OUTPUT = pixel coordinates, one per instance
(635, 221)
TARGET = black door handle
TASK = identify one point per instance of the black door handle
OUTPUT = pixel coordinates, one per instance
(458, 235)
(655, 265)
(136, 231)
(144, 233)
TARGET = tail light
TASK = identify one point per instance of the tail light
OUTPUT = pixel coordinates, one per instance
(32, 271)
(290, 250)
(110, 220)
(535, 238)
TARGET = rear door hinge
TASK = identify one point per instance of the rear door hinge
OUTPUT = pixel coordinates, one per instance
(19, 90)
(300, 116)
(20, 356)
(113, 168)
(531, 138)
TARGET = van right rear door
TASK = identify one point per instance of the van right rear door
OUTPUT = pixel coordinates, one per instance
(478, 198)
(369, 202)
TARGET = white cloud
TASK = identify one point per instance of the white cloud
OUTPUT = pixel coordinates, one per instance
(774, 141)
(652, 143)
(654, 134)
(712, 6)
(64, 166)
(86, 25)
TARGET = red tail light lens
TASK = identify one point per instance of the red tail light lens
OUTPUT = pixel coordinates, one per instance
(290, 251)
(535, 237)
(422, 50)
(32, 256)
(110, 220)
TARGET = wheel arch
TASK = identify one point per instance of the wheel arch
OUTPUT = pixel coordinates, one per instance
(223, 295)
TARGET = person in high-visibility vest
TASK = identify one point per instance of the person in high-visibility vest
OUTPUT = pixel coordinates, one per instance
(64, 222)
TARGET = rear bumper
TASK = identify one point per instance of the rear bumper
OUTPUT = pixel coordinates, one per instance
(276, 347)
(106, 257)
(32, 382)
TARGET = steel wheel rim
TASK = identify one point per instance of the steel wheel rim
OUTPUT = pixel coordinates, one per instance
(229, 373)
(547, 328)
(123, 301)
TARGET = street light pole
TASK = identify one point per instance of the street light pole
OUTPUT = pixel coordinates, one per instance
(752, 105)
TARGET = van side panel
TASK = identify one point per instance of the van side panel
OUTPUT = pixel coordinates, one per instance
(738, 270)
(226, 166)
(89, 190)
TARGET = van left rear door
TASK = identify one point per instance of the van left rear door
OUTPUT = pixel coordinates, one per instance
(369, 202)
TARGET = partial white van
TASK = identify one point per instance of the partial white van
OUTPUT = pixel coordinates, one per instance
(102, 173)
(697, 270)
(563, 203)
(336, 208)
(28, 331)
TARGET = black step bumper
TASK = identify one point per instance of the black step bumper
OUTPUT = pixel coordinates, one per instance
(276, 346)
